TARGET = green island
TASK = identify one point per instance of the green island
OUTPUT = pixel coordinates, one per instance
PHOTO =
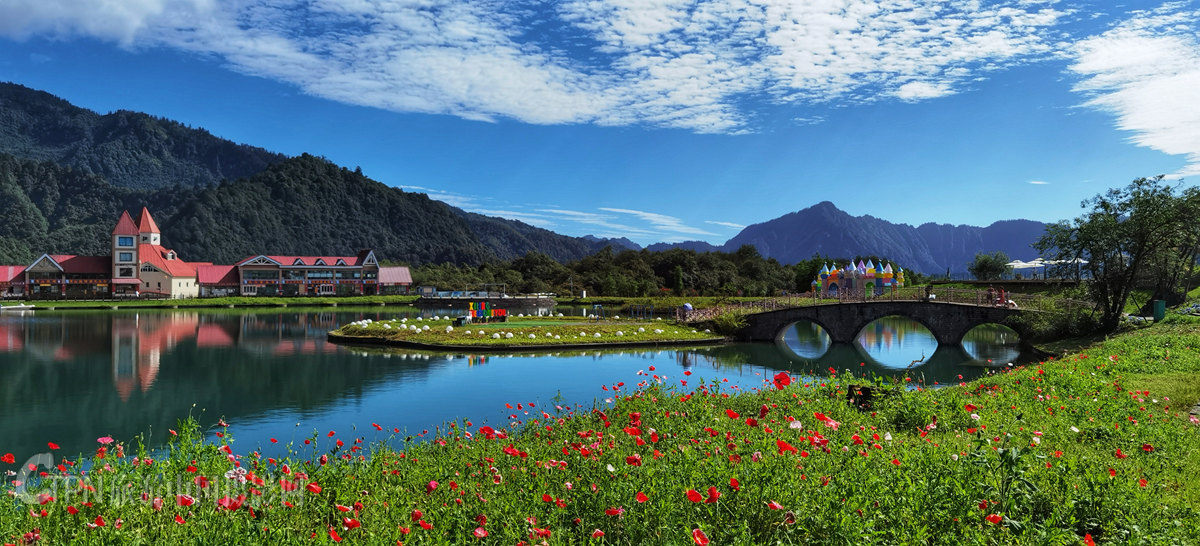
(521, 333)
(1096, 446)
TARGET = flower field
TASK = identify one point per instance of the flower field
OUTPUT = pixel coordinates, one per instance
(522, 332)
(1097, 447)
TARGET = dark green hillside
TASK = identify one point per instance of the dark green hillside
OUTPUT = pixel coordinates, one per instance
(48, 208)
(129, 149)
(307, 205)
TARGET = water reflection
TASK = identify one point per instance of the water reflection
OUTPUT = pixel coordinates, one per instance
(893, 346)
(70, 377)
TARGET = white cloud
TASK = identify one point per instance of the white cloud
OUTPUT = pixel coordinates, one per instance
(662, 222)
(698, 65)
(725, 224)
(1146, 72)
(1039, 182)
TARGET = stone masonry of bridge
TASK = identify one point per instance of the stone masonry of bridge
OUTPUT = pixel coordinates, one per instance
(948, 322)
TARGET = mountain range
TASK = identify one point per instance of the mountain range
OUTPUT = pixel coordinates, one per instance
(66, 173)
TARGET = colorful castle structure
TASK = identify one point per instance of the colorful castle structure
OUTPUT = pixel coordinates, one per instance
(861, 279)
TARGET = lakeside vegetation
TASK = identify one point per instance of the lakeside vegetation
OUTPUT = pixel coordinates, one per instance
(1096, 445)
(236, 301)
(520, 332)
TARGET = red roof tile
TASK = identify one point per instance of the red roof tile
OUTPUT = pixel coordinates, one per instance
(394, 275)
(125, 225)
(156, 255)
(146, 223)
(9, 273)
(217, 275)
(83, 264)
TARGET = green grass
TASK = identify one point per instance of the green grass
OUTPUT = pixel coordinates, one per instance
(1098, 443)
(545, 331)
(226, 301)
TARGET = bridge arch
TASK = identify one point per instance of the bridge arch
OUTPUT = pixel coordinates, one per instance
(948, 322)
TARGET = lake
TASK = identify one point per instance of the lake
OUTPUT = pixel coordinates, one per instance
(70, 377)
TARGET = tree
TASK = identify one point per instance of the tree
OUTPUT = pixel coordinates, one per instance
(988, 267)
(1125, 231)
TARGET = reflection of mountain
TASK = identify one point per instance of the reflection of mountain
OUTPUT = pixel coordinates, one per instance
(71, 377)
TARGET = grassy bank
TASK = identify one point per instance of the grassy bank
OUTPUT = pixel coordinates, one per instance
(1098, 444)
(520, 332)
(237, 301)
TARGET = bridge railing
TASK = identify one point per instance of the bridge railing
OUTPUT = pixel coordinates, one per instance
(967, 296)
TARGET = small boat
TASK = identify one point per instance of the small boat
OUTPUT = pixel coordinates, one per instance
(18, 307)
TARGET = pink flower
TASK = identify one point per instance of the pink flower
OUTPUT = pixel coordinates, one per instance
(105, 440)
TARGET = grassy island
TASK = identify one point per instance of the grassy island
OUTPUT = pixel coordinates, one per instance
(1095, 447)
(520, 333)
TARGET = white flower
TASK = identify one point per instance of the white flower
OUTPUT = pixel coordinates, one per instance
(531, 336)
(796, 425)
(449, 329)
(426, 328)
(954, 456)
(508, 335)
(887, 436)
(495, 336)
(556, 337)
(975, 416)
(610, 468)
(1037, 441)
(468, 332)
(1075, 430)
(620, 333)
(641, 329)
(597, 334)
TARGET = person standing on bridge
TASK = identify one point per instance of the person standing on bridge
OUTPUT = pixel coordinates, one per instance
(991, 296)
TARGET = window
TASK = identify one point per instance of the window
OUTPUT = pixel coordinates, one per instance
(298, 262)
(149, 268)
(145, 238)
(171, 255)
(319, 262)
(124, 256)
(340, 262)
(124, 241)
(125, 272)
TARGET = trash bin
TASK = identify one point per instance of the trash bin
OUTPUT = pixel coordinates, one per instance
(1160, 310)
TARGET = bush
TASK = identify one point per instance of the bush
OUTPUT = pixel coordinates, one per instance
(728, 323)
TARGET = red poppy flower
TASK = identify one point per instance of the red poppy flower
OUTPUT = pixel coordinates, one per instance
(994, 519)
(785, 447)
(8, 458)
(417, 515)
(597, 533)
(480, 532)
(425, 525)
(732, 414)
(431, 486)
(699, 537)
(1087, 540)
(782, 379)
(179, 519)
(733, 483)
(694, 495)
(185, 500)
(351, 523)
(1142, 482)
(774, 505)
(1120, 455)
(52, 445)
(970, 408)
(762, 412)
(750, 421)
(334, 535)
(896, 462)
(1147, 448)
(615, 511)
(641, 497)
(1112, 473)
(713, 494)
(635, 460)
(313, 488)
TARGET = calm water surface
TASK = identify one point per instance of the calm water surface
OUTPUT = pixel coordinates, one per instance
(70, 377)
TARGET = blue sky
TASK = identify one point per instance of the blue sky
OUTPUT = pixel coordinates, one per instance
(659, 120)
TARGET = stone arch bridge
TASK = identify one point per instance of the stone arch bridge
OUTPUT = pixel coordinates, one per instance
(948, 322)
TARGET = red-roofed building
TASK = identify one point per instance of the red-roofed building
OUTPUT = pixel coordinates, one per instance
(394, 280)
(218, 280)
(309, 275)
(12, 281)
